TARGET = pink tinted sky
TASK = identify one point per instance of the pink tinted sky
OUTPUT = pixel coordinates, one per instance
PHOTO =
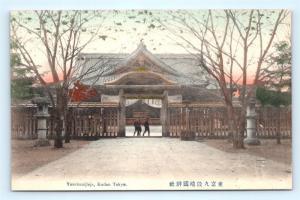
(128, 36)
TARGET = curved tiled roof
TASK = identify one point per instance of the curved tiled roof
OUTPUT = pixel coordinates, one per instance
(180, 68)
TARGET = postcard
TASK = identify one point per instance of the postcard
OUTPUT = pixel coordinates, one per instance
(151, 100)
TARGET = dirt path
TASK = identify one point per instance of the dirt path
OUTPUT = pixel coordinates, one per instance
(156, 163)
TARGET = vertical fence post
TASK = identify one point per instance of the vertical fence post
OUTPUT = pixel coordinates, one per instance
(187, 133)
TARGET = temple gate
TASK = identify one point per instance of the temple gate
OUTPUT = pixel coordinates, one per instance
(188, 107)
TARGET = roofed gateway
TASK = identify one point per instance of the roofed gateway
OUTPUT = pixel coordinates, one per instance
(175, 68)
(157, 80)
(143, 71)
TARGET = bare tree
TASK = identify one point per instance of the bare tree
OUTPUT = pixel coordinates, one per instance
(59, 37)
(232, 46)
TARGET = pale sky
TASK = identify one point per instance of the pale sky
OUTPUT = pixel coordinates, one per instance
(125, 29)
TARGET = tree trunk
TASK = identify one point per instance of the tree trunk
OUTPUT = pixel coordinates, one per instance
(230, 125)
(236, 127)
(238, 142)
(58, 141)
(67, 137)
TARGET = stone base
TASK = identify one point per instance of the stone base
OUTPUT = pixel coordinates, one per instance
(121, 133)
(187, 136)
(42, 143)
(252, 141)
(165, 134)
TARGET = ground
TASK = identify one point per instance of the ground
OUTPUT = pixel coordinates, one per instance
(268, 149)
(26, 157)
(151, 163)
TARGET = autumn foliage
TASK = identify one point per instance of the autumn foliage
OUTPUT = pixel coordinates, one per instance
(81, 92)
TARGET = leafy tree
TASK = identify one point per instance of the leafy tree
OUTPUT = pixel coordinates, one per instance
(81, 92)
(21, 80)
(278, 74)
(271, 97)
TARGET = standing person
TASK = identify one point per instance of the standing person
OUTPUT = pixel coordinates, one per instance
(147, 129)
(136, 130)
(139, 128)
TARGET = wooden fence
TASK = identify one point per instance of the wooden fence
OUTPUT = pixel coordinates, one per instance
(82, 123)
(274, 122)
(203, 121)
(208, 122)
(90, 123)
(211, 122)
(23, 122)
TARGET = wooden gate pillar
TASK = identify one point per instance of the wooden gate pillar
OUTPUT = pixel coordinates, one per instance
(122, 114)
(164, 114)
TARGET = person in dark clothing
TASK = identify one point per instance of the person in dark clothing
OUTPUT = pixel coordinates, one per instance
(136, 129)
(147, 129)
(139, 128)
